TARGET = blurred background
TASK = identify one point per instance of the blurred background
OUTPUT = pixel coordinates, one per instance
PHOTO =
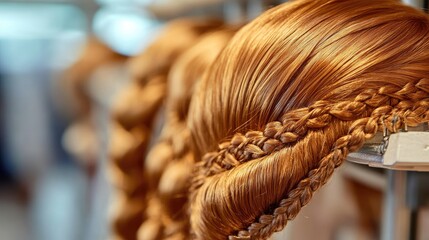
(46, 193)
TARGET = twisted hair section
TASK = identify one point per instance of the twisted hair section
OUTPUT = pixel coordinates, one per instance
(359, 131)
(279, 134)
(350, 137)
(289, 97)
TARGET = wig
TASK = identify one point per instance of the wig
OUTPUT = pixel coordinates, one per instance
(74, 83)
(289, 97)
(77, 100)
(169, 163)
(133, 115)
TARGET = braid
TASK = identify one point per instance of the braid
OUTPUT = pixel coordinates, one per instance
(167, 165)
(277, 135)
(130, 180)
(407, 111)
(315, 80)
(133, 115)
(359, 131)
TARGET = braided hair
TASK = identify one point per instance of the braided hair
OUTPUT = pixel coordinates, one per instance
(133, 114)
(169, 163)
(290, 96)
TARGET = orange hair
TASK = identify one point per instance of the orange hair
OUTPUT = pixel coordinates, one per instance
(76, 100)
(74, 83)
(169, 162)
(290, 96)
(134, 112)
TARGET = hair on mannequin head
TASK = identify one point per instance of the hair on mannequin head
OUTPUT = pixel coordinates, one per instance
(169, 162)
(74, 84)
(75, 101)
(184, 32)
(289, 97)
(134, 112)
(150, 69)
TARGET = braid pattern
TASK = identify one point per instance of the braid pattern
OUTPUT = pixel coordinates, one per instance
(171, 205)
(135, 113)
(296, 124)
(126, 174)
(169, 162)
(408, 112)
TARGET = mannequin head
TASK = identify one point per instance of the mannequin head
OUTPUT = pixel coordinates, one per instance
(291, 95)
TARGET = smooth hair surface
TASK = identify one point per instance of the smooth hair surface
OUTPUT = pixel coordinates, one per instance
(290, 96)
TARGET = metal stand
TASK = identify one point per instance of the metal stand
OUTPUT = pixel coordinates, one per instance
(406, 193)
(396, 215)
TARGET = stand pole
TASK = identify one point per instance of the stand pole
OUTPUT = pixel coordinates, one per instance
(396, 214)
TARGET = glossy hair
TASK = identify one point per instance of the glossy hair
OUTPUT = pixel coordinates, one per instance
(169, 163)
(133, 114)
(290, 96)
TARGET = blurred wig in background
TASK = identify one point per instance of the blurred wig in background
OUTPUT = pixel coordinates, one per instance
(80, 138)
(168, 165)
(133, 115)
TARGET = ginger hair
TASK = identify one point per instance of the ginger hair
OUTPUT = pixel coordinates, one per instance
(169, 163)
(133, 114)
(150, 70)
(77, 103)
(74, 82)
(289, 97)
